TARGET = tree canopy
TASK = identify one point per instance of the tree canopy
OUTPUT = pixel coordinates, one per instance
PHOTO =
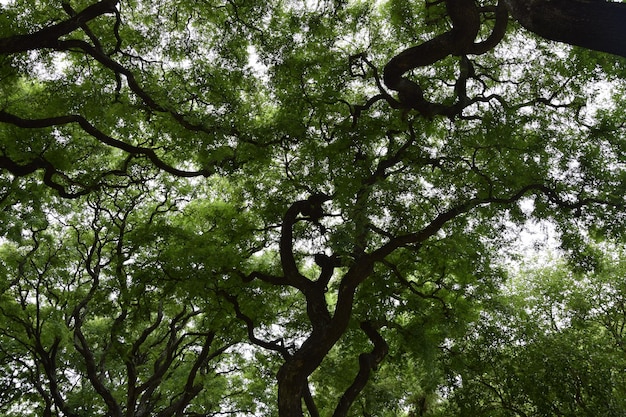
(297, 208)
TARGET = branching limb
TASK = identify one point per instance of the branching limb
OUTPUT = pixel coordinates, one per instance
(82, 346)
(412, 286)
(460, 209)
(273, 346)
(367, 363)
(101, 137)
(49, 37)
(270, 279)
(71, 12)
(312, 210)
(118, 69)
(50, 172)
(357, 61)
(192, 388)
(92, 259)
(459, 41)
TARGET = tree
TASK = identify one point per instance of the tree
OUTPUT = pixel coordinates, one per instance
(553, 346)
(189, 190)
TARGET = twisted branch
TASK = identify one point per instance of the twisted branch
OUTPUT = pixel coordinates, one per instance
(459, 41)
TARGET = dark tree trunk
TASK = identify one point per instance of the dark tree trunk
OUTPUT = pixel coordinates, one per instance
(593, 24)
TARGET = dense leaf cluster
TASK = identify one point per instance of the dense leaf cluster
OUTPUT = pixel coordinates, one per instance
(285, 208)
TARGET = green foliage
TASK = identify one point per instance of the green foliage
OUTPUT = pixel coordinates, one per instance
(149, 158)
(552, 346)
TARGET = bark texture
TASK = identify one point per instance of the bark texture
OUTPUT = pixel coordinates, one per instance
(593, 24)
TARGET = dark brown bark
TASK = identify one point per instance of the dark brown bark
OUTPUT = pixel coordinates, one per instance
(47, 358)
(92, 131)
(293, 375)
(295, 371)
(53, 37)
(593, 24)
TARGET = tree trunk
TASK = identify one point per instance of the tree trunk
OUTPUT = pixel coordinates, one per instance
(593, 24)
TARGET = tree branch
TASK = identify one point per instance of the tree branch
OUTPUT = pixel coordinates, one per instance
(311, 208)
(458, 41)
(596, 25)
(101, 137)
(48, 37)
(367, 363)
(273, 346)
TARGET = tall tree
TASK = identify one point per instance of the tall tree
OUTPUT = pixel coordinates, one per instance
(198, 200)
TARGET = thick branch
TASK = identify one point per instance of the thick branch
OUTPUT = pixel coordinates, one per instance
(131, 362)
(83, 348)
(21, 170)
(592, 24)
(311, 208)
(458, 41)
(497, 33)
(367, 363)
(48, 37)
(49, 362)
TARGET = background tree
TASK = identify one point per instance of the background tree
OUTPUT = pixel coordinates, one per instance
(199, 199)
(96, 320)
(553, 345)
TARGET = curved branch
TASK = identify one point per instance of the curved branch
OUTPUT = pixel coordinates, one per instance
(367, 363)
(82, 346)
(118, 69)
(49, 37)
(102, 137)
(21, 170)
(459, 41)
(412, 287)
(311, 208)
(497, 33)
(273, 346)
(71, 12)
(436, 224)
(192, 387)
